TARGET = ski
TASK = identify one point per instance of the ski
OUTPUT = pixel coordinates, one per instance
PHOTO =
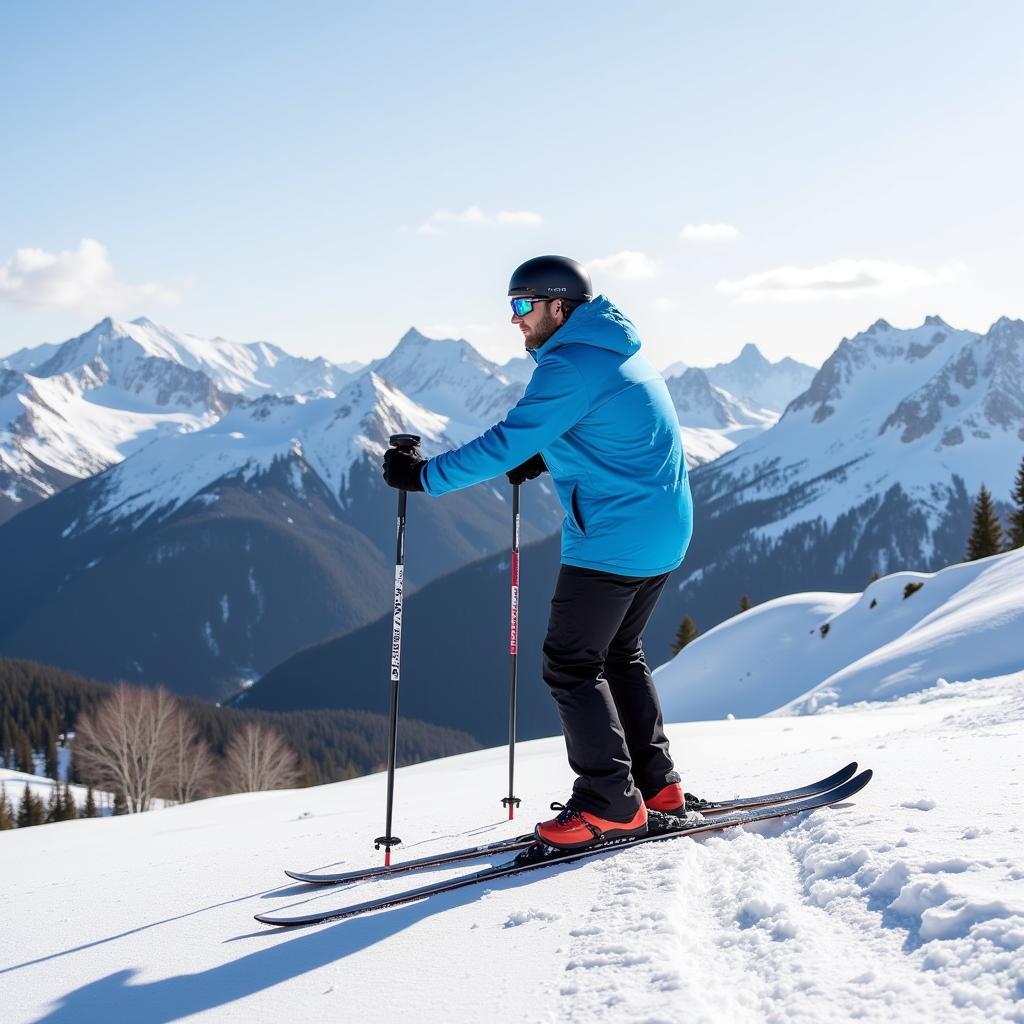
(538, 855)
(514, 843)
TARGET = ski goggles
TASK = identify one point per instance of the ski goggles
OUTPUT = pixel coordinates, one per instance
(523, 306)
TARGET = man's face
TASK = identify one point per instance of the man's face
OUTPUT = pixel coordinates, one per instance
(540, 323)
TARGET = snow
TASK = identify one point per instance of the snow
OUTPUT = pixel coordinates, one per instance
(966, 620)
(870, 910)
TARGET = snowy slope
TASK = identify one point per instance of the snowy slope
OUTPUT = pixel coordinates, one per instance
(14, 783)
(901, 903)
(812, 652)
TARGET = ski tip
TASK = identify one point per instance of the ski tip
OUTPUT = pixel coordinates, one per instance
(856, 784)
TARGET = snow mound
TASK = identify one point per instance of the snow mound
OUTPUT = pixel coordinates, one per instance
(808, 653)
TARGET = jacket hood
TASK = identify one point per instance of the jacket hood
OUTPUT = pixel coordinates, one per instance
(598, 323)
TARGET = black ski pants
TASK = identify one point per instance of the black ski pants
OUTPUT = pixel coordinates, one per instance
(594, 665)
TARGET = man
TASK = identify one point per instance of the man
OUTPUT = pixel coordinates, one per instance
(598, 417)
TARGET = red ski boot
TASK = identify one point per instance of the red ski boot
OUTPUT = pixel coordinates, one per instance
(670, 800)
(574, 830)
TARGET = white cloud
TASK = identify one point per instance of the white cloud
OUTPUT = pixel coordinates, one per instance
(830, 280)
(473, 216)
(664, 303)
(79, 280)
(626, 266)
(709, 233)
(524, 217)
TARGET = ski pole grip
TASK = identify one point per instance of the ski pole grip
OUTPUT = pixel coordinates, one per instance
(405, 441)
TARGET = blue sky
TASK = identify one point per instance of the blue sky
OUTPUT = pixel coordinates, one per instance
(325, 176)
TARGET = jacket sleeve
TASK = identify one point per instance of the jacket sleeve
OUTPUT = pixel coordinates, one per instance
(555, 400)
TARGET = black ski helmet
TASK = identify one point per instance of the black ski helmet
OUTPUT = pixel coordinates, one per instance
(551, 277)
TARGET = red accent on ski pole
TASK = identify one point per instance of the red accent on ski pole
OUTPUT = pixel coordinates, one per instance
(387, 857)
(513, 646)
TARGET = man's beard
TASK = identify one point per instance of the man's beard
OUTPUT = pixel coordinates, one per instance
(543, 330)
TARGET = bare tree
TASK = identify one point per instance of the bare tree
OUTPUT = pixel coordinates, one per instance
(127, 745)
(258, 758)
(193, 767)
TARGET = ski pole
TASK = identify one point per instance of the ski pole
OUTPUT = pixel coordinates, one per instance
(407, 442)
(510, 801)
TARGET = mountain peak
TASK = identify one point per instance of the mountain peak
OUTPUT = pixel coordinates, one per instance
(414, 336)
(935, 321)
(1005, 322)
(750, 355)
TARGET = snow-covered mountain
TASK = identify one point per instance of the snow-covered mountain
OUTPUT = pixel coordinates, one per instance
(452, 379)
(69, 411)
(251, 370)
(807, 653)
(873, 469)
(712, 420)
(759, 383)
(205, 558)
(724, 405)
(320, 436)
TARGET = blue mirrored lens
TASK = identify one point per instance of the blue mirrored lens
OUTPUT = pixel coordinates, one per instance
(522, 306)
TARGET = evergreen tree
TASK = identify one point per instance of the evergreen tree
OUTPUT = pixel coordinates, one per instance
(90, 805)
(23, 753)
(120, 804)
(686, 633)
(30, 809)
(70, 807)
(51, 770)
(55, 804)
(745, 603)
(73, 773)
(986, 530)
(1015, 530)
(6, 810)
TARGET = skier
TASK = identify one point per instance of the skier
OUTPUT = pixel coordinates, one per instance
(598, 417)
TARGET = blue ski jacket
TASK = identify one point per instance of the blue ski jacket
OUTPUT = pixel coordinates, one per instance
(601, 416)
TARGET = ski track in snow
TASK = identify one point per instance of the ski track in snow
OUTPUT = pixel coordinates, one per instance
(838, 915)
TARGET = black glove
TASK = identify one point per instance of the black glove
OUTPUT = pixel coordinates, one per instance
(402, 468)
(531, 468)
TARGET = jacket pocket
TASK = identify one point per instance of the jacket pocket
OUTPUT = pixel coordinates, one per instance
(575, 505)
